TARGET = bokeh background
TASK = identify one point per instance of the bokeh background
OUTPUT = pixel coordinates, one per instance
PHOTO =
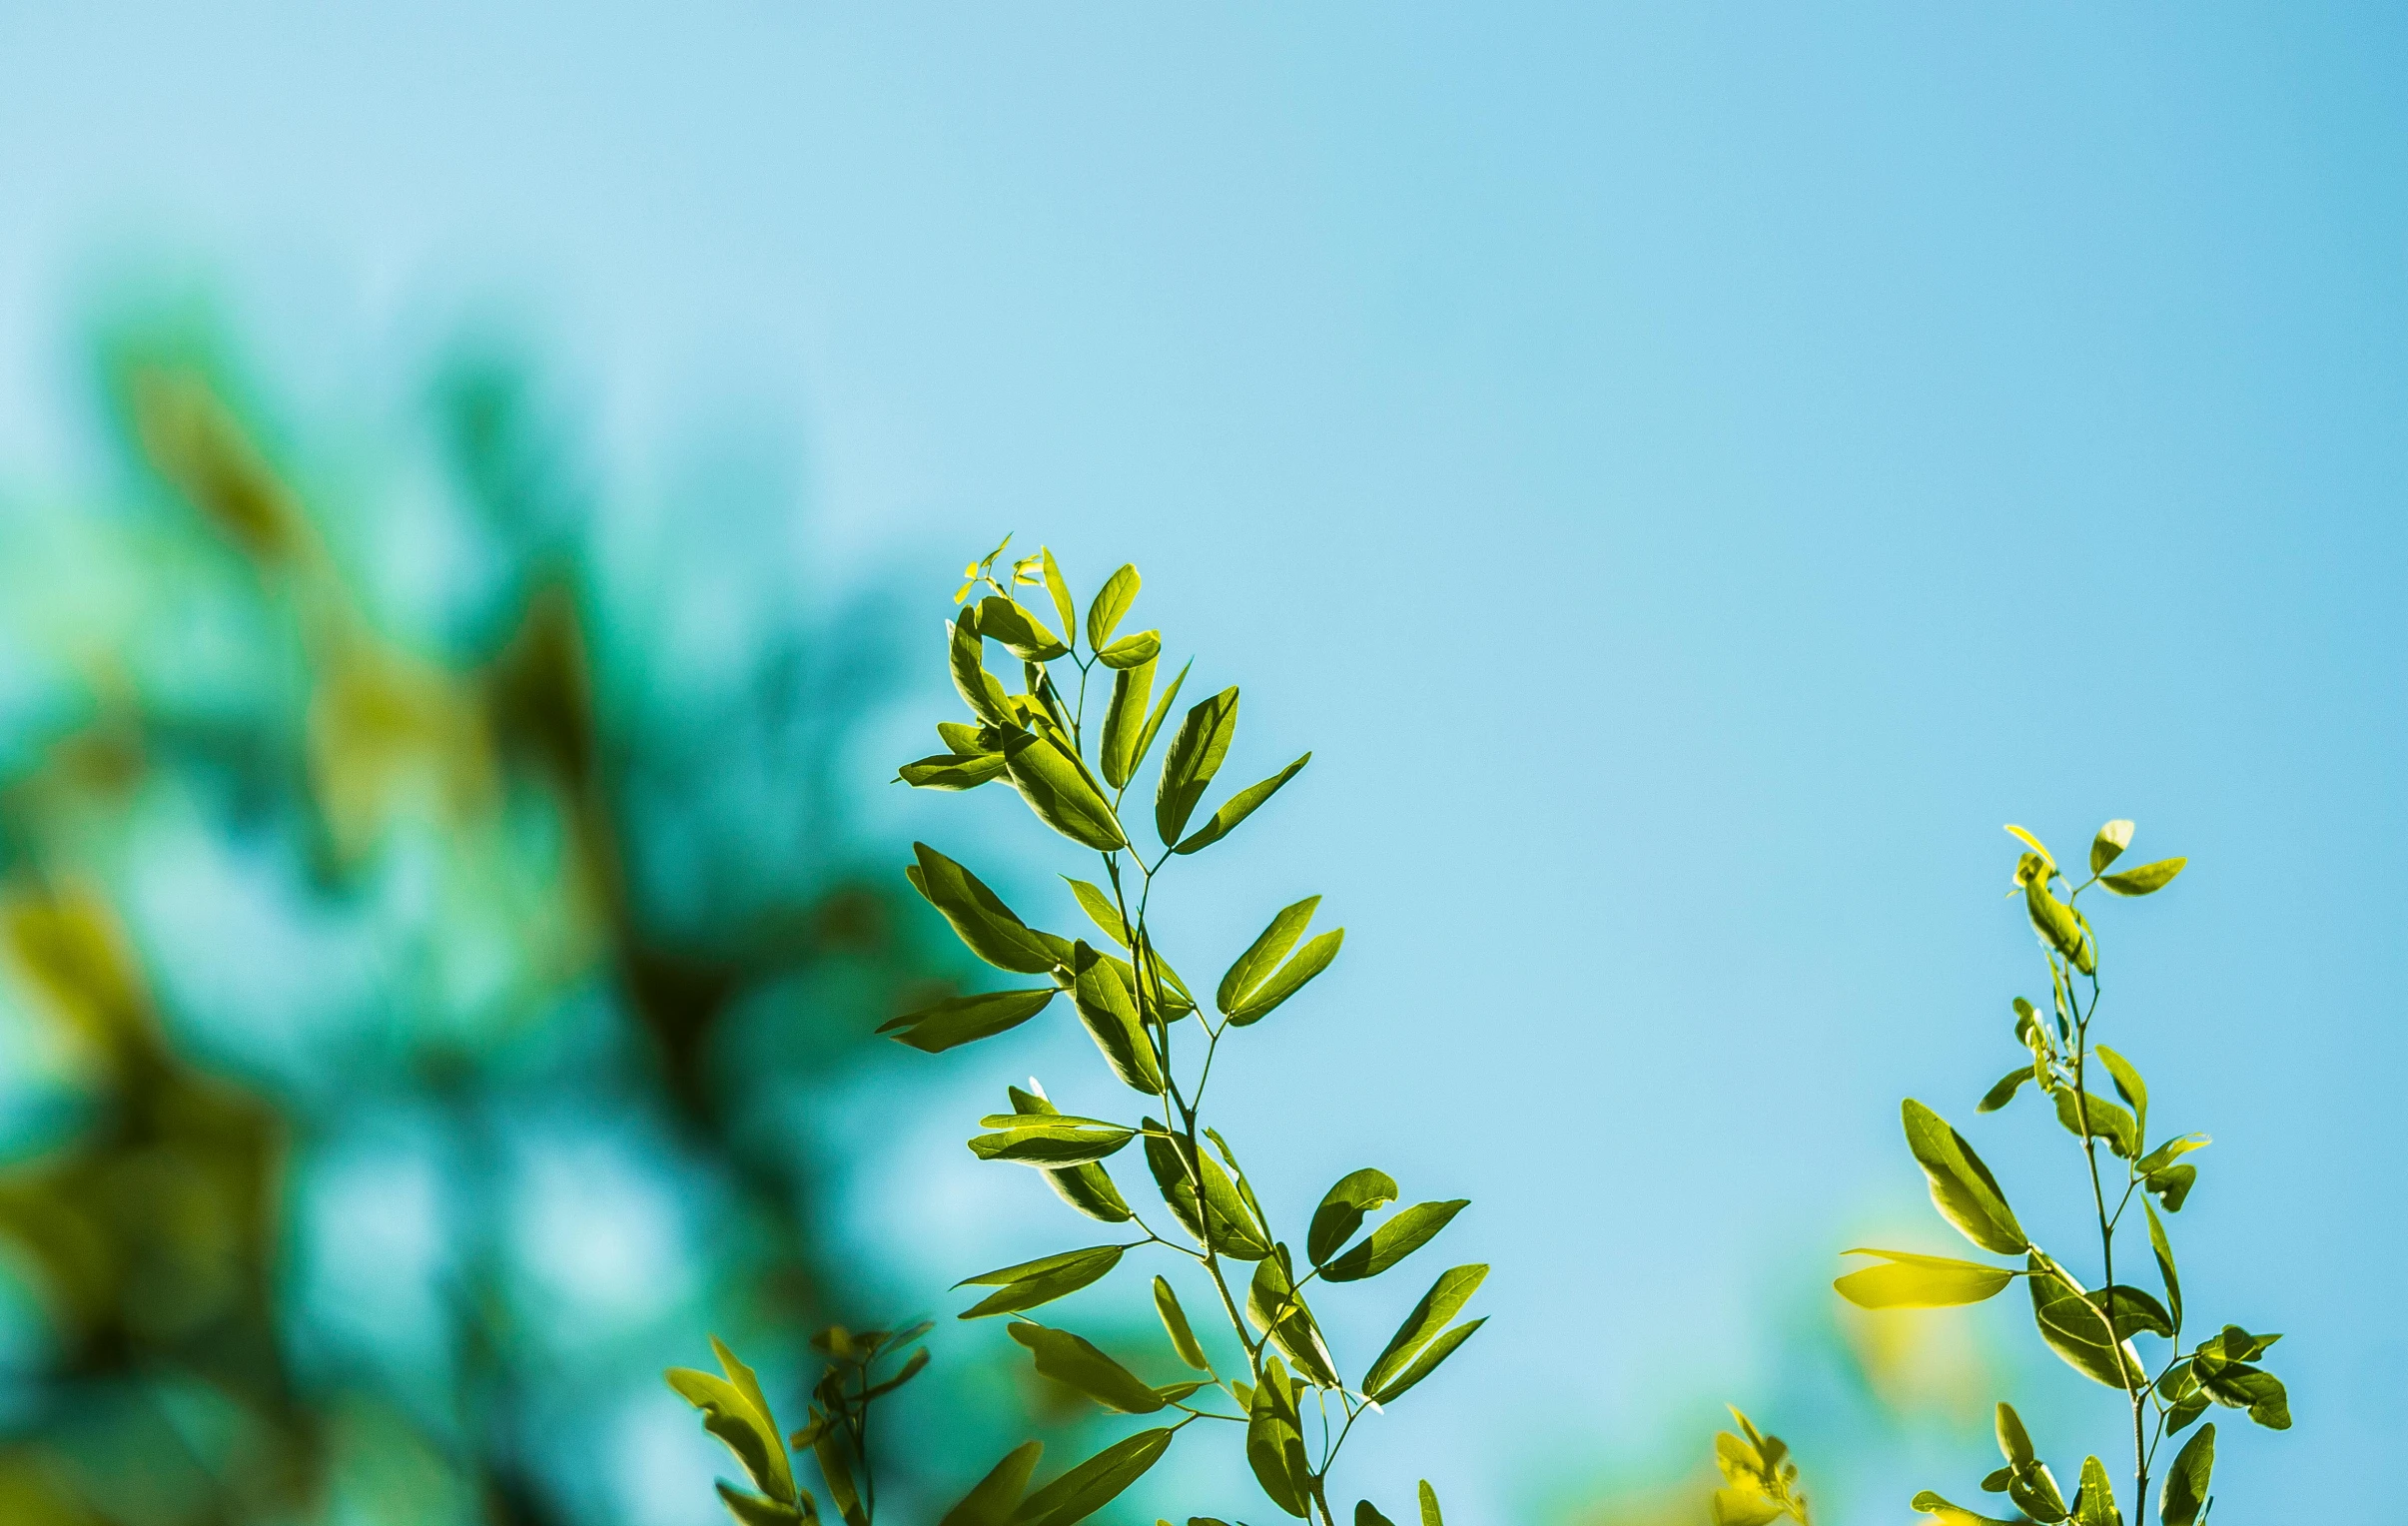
(475, 496)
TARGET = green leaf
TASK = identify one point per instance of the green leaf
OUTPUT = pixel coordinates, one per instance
(2165, 1262)
(947, 771)
(1962, 1188)
(1194, 757)
(1442, 1302)
(1367, 1514)
(734, 1410)
(2078, 1332)
(1255, 964)
(1064, 605)
(979, 916)
(1154, 722)
(992, 1500)
(2110, 844)
(1429, 1505)
(2185, 1493)
(837, 1470)
(1071, 1360)
(1920, 1282)
(2108, 1121)
(1400, 1236)
(1274, 1444)
(753, 1510)
(1089, 1187)
(1310, 961)
(1094, 1483)
(1118, 592)
(966, 1018)
(2004, 1091)
(2130, 1088)
(2237, 1385)
(1130, 651)
(2171, 1150)
(1031, 1284)
(1019, 632)
(965, 656)
(1734, 1505)
(1109, 1015)
(1238, 808)
(2137, 1313)
(2172, 1185)
(1048, 1142)
(2094, 1501)
(1277, 1309)
(2059, 927)
(2035, 845)
(1174, 1321)
(1232, 1228)
(1342, 1209)
(2014, 1442)
(1426, 1363)
(1100, 909)
(1954, 1515)
(1124, 722)
(1058, 789)
(2146, 880)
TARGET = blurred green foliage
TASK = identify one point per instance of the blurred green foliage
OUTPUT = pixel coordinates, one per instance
(355, 944)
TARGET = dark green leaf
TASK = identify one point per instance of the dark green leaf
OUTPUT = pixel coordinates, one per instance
(2135, 1313)
(1920, 1282)
(2108, 1121)
(2185, 1493)
(1194, 757)
(1400, 1236)
(1426, 1363)
(1174, 1321)
(1031, 1284)
(1310, 961)
(1118, 592)
(1962, 1188)
(2110, 844)
(1124, 722)
(2171, 1186)
(2236, 1344)
(828, 1450)
(1064, 605)
(2165, 1263)
(1442, 1302)
(2239, 1385)
(1130, 651)
(1018, 630)
(1342, 1209)
(1109, 1015)
(2129, 1086)
(1232, 1230)
(1058, 789)
(949, 772)
(1365, 1514)
(2148, 879)
(965, 656)
(2004, 1091)
(1238, 808)
(1094, 1483)
(993, 1499)
(979, 916)
(1255, 964)
(1074, 1361)
(2078, 1332)
(1048, 1142)
(753, 1510)
(966, 1018)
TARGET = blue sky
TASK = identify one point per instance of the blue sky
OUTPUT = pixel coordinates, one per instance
(1689, 474)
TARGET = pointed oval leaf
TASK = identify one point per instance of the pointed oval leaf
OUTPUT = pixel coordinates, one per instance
(1058, 789)
(1921, 1281)
(2134, 1311)
(1962, 1188)
(2014, 1442)
(1041, 1281)
(1094, 1483)
(1111, 602)
(2186, 1493)
(2108, 1121)
(2004, 1091)
(2078, 1332)
(1442, 1302)
(2146, 880)
(1954, 1515)
(966, 1018)
(1109, 1016)
(1174, 1321)
(1342, 1209)
(1131, 651)
(1277, 1309)
(1310, 961)
(966, 658)
(1076, 1362)
(1392, 1241)
(1051, 1143)
(1429, 1505)
(1124, 721)
(1059, 591)
(2164, 1253)
(947, 771)
(2110, 844)
(1238, 808)
(1366, 1514)
(988, 927)
(1426, 1363)
(1195, 756)
(1018, 630)
(2130, 1088)
(1100, 909)
(993, 1498)
(2094, 1501)
(1255, 964)
(730, 1413)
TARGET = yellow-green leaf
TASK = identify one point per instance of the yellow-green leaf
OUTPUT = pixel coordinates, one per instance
(1920, 1282)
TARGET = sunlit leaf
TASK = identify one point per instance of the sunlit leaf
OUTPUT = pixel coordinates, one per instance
(965, 1019)
(1921, 1281)
(2130, 1088)
(1100, 909)
(1255, 964)
(1224, 1221)
(1094, 1483)
(1962, 1188)
(1073, 1360)
(734, 1410)
(1130, 651)
(2108, 1121)
(1174, 1324)
(965, 656)
(1954, 1515)
(947, 771)
(993, 1498)
(1289, 978)
(1109, 1015)
(1153, 721)
(2135, 1313)
(2037, 846)
(1088, 1188)
(2094, 1501)
(2146, 880)
(1238, 808)
(1426, 1363)
(1342, 1209)
(1429, 1505)
(1407, 1232)
(2110, 844)
(1111, 602)
(1059, 591)
(1018, 630)
(2004, 1091)
(2164, 1253)
(1277, 1309)
(2186, 1493)
(989, 929)
(1058, 789)
(1048, 1142)
(1032, 1283)
(1124, 721)
(1194, 757)
(2076, 1331)
(1429, 1317)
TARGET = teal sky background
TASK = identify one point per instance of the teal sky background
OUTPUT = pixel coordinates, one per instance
(1690, 474)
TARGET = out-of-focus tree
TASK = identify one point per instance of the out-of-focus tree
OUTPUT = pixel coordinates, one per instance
(352, 955)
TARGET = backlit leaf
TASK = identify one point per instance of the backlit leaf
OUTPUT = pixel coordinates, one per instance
(2146, 880)
(1076, 1362)
(1954, 1515)
(1175, 1322)
(1426, 1363)
(1018, 630)
(1342, 1209)
(2110, 844)
(1400, 1236)
(1059, 591)
(2165, 1263)
(1032, 1283)
(2108, 1121)
(1111, 602)
(1289, 978)
(945, 771)
(1962, 1188)
(1921, 1281)
(966, 657)
(1109, 1016)
(1094, 1483)
(2186, 1493)
(1058, 789)
(1442, 1302)
(2130, 1088)
(1130, 651)
(1194, 757)
(979, 916)
(965, 1019)
(1049, 1141)
(1255, 964)
(1238, 808)
(993, 1498)
(2078, 1332)
(1124, 721)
